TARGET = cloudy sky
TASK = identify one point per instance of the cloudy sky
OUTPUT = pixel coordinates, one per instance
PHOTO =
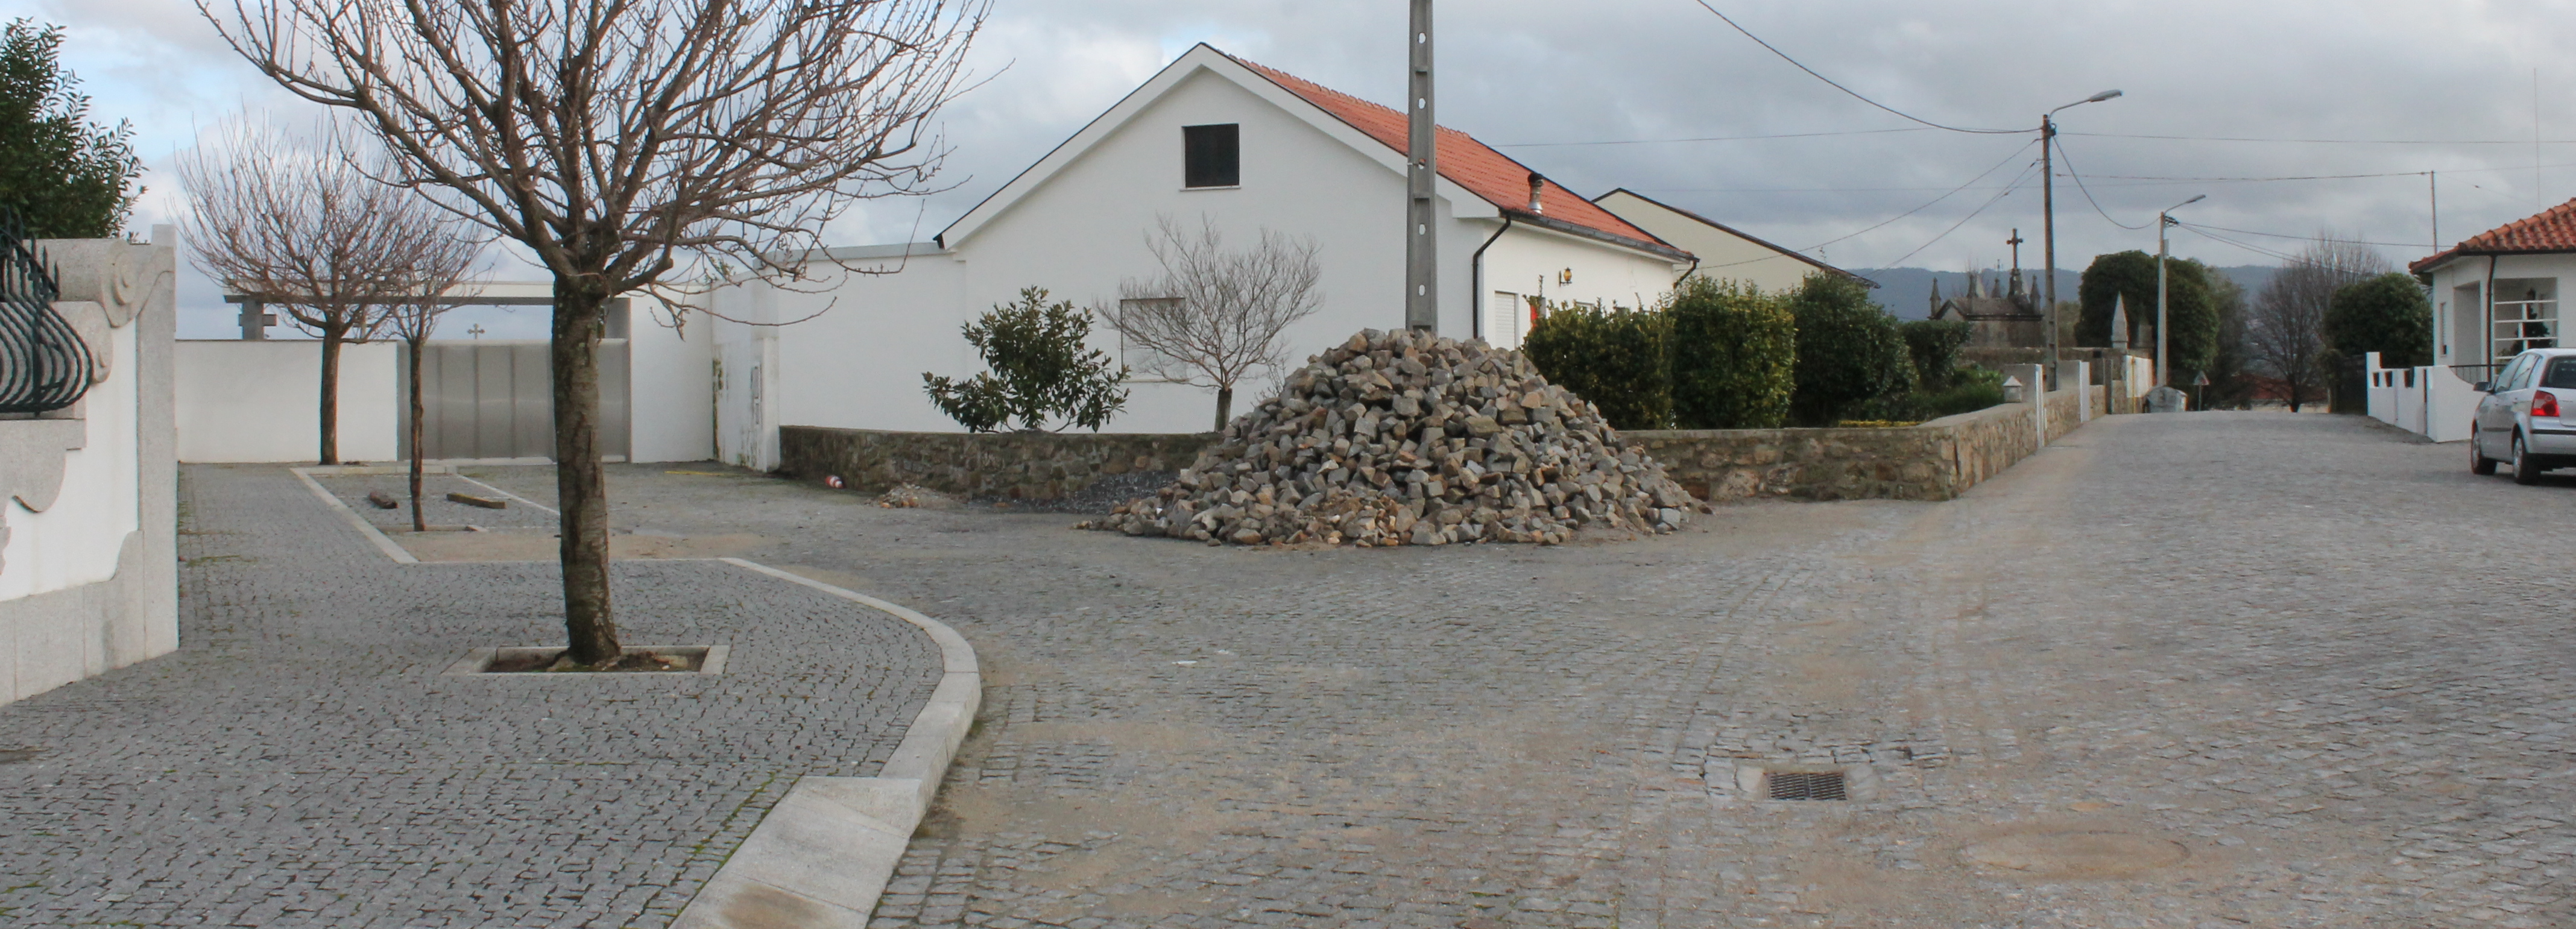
(1604, 93)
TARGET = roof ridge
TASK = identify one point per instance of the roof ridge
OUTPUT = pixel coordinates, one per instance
(1468, 163)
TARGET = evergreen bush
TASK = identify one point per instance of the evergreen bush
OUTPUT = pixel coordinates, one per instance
(1849, 352)
(1934, 345)
(1614, 357)
(1041, 370)
(1733, 356)
(2385, 314)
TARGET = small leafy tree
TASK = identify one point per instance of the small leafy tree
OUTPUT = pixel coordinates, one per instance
(1040, 370)
(1614, 357)
(1849, 351)
(1733, 354)
(69, 179)
(1934, 345)
(2189, 304)
(2386, 314)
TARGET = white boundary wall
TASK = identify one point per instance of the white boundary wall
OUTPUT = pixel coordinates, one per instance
(2431, 401)
(258, 401)
(88, 570)
(261, 400)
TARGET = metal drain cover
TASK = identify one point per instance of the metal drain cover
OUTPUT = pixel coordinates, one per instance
(1805, 785)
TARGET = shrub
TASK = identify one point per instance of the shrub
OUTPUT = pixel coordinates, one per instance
(1614, 358)
(1849, 352)
(2385, 314)
(1934, 346)
(1971, 388)
(1733, 356)
(1040, 370)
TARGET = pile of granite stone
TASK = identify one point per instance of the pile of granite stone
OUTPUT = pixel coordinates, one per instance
(1402, 437)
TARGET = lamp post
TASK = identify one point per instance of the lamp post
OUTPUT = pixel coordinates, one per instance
(2048, 211)
(2164, 371)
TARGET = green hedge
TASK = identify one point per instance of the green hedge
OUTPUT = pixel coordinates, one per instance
(1850, 353)
(1934, 345)
(1612, 357)
(1732, 356)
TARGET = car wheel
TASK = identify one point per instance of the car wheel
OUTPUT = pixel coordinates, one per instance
(2479, 463)
(2526, 466)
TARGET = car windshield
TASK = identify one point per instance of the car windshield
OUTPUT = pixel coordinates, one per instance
(2562, 373)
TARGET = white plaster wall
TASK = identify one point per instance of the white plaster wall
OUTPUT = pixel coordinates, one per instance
(259, 401)
(672, 387)
(76, 540)
(1722, 255)
(2457, 330)
(1531, 260)
(88, 573)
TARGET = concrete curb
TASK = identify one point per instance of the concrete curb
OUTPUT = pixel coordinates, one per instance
(383, 544)
(825, 852)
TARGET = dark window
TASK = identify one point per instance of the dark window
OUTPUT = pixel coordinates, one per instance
(1214, 155)
(2562, 372)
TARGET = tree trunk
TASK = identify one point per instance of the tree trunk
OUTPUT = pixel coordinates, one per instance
(581, 491)
(331, 395)
(1224, 405)
(418, 523)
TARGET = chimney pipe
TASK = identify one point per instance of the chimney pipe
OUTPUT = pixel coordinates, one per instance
(1535, 207)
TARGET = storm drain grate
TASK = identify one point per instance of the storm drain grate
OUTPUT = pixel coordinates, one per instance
(1804, 785)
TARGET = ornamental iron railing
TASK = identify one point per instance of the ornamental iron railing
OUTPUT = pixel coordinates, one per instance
(44, 366)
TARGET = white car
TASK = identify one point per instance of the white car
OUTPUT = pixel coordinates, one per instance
(2528, 417)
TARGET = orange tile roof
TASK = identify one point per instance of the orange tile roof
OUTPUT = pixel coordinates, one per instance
(2552, 230)
(1468, 163)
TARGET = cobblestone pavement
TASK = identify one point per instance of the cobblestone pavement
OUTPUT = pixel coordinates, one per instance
(2318, 663)
(438, 511)
(301, 761)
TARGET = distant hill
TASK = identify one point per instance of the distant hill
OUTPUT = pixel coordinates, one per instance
(1906, 292)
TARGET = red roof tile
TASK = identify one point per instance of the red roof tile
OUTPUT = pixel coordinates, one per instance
(1466, 162)
(2553, 230)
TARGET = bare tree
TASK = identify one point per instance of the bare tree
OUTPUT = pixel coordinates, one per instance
(1215, 316)
(438, 261)
(299, 225)
(2285, 333)
(618, 139)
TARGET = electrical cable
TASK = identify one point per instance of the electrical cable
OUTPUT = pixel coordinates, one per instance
(1714, 138)
(2221, 138)
(2016, 153)
(1811, 72)
(2283, 235)
(2257, 249)
(1972, 214)
(2088, 192)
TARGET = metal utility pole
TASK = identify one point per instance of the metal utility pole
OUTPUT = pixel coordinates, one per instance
(1422, 171)
(2048, 213)
(2164, 372)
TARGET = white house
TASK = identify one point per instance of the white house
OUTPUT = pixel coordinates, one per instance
(2494, 294)
(1723, 252)
(1212, 136)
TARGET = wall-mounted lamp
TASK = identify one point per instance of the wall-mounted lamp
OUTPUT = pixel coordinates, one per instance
(1565, 277)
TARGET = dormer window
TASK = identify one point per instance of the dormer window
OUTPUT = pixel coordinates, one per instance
(1212, 155)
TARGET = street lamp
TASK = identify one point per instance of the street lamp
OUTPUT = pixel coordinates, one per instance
(2164, 372)
(2048, 211)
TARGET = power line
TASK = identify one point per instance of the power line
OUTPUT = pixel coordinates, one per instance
(1714, 138)
(2186, 227)
(2283, 235)
(1811, 72)
(2016, 153)
(2088, 192)
(1972, 214)
(2223, 138)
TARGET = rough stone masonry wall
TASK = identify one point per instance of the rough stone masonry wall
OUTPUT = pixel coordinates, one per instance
(1027, 466)
(1937, 460)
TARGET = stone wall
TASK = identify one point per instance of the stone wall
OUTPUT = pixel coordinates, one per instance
(1028, 466)
(1937, 460)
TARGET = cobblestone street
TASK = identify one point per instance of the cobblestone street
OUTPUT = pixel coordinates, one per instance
(301, 761)
(2317, 662)
(2210, 670)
